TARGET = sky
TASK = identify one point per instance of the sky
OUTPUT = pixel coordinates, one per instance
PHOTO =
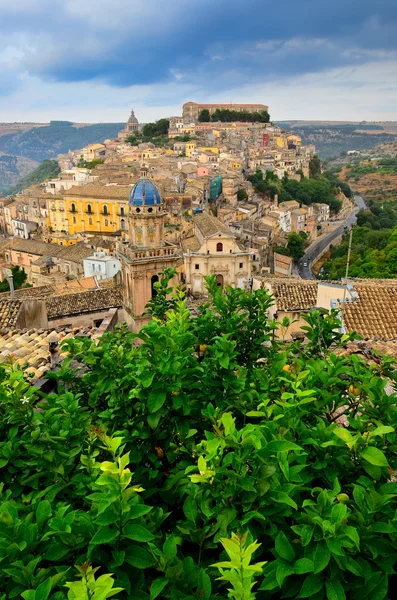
(94, 60)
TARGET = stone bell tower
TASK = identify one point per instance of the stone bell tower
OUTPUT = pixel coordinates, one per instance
(146, 253)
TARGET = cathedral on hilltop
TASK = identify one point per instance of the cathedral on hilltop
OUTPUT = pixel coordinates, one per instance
(143, 252)
(130, 127)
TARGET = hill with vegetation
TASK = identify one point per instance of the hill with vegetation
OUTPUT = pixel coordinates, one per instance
(204, 462)
(373, 177)
(12, 168)
(333, 140)
(374, 246)
(47, 170)
(58, 137)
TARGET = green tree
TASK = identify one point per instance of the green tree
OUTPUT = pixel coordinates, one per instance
(19, 277)
(204, 116)
(296, 246)
(315, 167)
(242, 195)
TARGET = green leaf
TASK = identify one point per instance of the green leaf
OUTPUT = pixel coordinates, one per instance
(352, 534)
(338, 513)
(304, 565)
(321, 557)
(335, 590)
(374, 456)
(44, 590)
(157, 587)
(190, 509)
(284, 548)
(138, 557)
(284, 570)
(137, 533)
(203, 586)
(306, 534)
(311, 585)
(138, 510)
(153, 420)
(155, 400)
(169, 548)
(104, 536)
(283, 498)
(281, 446)
(382, 430)
(43, 512)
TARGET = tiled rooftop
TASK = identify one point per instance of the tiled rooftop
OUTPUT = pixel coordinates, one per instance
(294, 295)
(9, 310)
(209, 225)
(107, 192)
(83, 302)
(31, 346)
(374, 313)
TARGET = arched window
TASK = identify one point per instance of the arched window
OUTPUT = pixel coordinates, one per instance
(219, 247)
(122, 224)
(89, 209)
(90, 221)
(73, 207)
(154, 280)
(106, 222)
(105, 209)
(122, 211)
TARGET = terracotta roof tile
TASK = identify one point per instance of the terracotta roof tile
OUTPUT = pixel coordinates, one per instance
(209, 225)
(374, 313)
(84, 302)
(9, 311)
(294, 295)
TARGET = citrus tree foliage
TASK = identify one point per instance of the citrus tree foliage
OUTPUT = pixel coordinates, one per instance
(200, 459)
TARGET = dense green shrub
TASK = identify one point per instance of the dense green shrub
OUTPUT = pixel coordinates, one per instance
(162, 463)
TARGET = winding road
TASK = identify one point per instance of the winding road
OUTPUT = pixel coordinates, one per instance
(311, 256)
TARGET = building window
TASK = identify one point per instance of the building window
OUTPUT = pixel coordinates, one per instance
(74, 220)
(197, 267)
(106, 222)
(122, 211)
(105, 210)
(122, 224)
(53, 206)
(73, 207)
(93, 266)
(219, 247)
(240, 266)
(90, 221)
(89, 209)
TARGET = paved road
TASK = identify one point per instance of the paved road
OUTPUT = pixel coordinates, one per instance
(314, 251)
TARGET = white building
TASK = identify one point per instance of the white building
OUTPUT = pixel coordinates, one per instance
(68, 179)
(22, 229)
(322, 211)
(101, 266)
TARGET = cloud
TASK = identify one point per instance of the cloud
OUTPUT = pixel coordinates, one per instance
(165, 53)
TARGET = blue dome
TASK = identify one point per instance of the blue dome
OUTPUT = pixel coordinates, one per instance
(144, 193)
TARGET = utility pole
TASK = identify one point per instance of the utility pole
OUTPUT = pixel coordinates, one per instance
(347, 273)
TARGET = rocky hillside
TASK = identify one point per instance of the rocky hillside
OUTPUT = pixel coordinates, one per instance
(12, 168)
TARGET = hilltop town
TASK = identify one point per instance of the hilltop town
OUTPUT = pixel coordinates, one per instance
(218, 190)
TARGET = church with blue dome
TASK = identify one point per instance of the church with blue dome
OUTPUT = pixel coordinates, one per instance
(145, 193)
(144, 253)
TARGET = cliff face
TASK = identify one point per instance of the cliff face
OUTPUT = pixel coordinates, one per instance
(12, 168)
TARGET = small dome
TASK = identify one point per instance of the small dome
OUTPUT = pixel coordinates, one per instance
(144, 193)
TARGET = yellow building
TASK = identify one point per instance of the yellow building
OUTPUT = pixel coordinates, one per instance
(190, 148)
(56, 214)
(96, 209)
(281, 142)
(210, 149)
(93, 151)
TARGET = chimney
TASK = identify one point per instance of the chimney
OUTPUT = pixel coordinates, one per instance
(11, 284)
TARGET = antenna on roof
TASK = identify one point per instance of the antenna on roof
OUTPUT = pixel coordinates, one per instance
(347, 273)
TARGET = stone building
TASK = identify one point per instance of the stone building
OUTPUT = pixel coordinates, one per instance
(130, 128)
(214, 250)
(144, 253)
(192, 110)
